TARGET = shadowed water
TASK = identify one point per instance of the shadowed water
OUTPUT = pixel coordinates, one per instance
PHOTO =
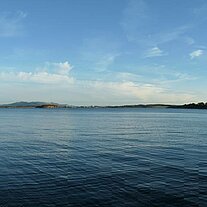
(103, 157)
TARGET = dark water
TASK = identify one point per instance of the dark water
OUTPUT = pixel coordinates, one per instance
(103, 157)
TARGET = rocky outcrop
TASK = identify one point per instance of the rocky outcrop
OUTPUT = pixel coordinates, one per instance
(48, 106)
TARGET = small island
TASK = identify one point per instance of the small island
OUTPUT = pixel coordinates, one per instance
(48, 106)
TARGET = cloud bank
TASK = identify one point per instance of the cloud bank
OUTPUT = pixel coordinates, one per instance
(54, 82)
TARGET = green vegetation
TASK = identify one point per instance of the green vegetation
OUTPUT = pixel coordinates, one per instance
(200, 105)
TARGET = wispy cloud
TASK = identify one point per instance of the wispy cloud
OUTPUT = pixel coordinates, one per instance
(11, 23)
(35, 77)
(119, 92)
(164, 76)
(137, 23)
(200, 12)
(190, 40)
(104, 62)
(62, 68)
(58, 75)
(94, 92)
(100, 53)
(196, 54)
(172, 34)
(127, 76)
(127, 89)
(177, 77)
(154, 52)
(134, 17)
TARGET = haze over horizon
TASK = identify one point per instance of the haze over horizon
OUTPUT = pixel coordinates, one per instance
(110, 52)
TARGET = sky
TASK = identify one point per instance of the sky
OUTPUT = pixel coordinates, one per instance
(111, 52)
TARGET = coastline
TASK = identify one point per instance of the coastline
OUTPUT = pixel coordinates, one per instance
(32, 105)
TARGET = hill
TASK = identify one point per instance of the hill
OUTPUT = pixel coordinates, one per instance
(23, 104)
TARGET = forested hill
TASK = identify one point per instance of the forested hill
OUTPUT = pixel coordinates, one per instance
(200, 105)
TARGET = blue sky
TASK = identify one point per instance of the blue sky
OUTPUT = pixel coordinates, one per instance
(87, 52)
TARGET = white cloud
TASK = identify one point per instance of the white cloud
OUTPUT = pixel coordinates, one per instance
(67, 90)
(129, 92)
(35, 77)
(63, 68)
(154, 52)
(58, 75)
(140, 91)
(11, 23)
(196, 54)
(57, 85)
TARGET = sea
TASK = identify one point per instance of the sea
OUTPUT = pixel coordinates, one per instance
(103, 157)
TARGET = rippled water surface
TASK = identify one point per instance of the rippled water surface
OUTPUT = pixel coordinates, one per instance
(103, 157)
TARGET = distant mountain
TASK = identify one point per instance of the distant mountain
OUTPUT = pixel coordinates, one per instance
(23, 104)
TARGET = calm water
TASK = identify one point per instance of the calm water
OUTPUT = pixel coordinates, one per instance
(103, 157)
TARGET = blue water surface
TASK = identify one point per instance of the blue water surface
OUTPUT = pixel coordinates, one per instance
(103, 157)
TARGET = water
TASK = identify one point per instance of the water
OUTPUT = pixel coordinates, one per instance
(103, 157)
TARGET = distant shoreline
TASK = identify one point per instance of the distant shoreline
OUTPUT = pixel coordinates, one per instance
(44, 105)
